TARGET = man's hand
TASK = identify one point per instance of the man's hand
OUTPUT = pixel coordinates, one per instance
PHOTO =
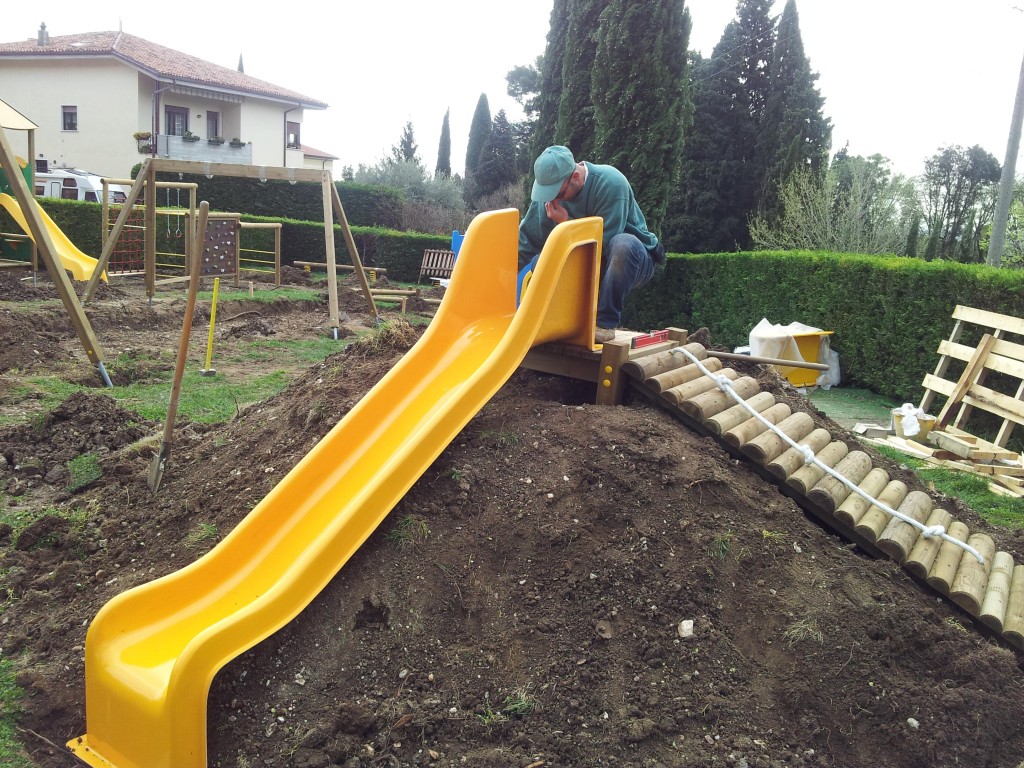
(556, 212)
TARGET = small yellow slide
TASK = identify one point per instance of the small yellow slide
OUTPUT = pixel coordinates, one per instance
(152, 652)
(77, 263)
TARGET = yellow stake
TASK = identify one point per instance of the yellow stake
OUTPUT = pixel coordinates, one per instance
(208, 371)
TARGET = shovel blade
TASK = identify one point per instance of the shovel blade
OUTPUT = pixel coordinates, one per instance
(156, 469)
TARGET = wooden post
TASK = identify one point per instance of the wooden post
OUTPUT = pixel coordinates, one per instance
(854, 506)
(926, 548)
(808, 475)
(828, 493)
(997, 593)
(743, 433)
(875, 519)
(332, 274)
(610, 386)
(350, 243)
(150, 233)
(29, 207)
(732, 417)
(899, 536)
(790, 461)
(968, 588)
(770, 445)
(1013, 624)
(940, 577)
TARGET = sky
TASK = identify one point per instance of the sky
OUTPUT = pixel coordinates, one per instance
(901, 78)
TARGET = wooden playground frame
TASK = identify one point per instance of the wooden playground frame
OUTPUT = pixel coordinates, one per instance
(189, 213)
(44, 245)
(146, 187)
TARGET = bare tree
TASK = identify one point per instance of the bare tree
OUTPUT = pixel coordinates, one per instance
(857, 208)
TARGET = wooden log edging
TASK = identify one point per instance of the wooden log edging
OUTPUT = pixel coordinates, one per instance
(991, 592)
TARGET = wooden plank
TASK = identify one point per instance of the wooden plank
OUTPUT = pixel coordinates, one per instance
(970, 375)
(1005, 357)
(234, 170)
(345, 267)
(989, 319)
(941, 367)
(996, 403)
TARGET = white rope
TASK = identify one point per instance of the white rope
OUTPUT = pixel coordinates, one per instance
(725, 384)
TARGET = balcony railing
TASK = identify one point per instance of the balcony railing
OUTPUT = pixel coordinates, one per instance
(203, 150)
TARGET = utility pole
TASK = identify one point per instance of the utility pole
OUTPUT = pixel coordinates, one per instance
(998, 239)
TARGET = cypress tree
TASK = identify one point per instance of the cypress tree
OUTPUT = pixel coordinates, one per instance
(794, 133)
(550, 94)
(479, 131)
(576, 127)
(641, 96)
(497, 166)
(913, 233)
(443, 170)
(756, 39)
(709, 210)
(406, 148)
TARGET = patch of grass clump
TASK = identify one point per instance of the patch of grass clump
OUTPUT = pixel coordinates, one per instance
(85, 469)
(408, 532)
(202, 533)
(12, 754)
(720, 545)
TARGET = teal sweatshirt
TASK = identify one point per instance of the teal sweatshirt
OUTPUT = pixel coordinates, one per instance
(607, 194)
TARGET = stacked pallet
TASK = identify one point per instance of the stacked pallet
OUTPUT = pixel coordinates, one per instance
(992, 591)
(956, 449)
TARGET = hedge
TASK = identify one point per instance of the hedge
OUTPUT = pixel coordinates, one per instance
(888, 313)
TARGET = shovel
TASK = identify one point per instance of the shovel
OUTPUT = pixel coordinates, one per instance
(156, 470)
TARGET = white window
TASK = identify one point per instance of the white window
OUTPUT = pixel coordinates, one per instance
(176, 119)
(69, 118)
(294, 141)
(212, 124)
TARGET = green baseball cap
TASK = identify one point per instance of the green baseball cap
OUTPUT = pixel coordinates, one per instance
(550, 171)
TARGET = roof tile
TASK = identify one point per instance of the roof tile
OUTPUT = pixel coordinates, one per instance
(157, 60)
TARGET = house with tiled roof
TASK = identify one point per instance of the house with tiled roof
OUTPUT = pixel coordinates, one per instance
(104, 101)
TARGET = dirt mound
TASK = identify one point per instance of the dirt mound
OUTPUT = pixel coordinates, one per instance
(567, 585)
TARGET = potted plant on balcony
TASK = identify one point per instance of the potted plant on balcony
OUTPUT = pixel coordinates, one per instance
(189, 136)
(143, 141)
(237, 142)
(215, 140)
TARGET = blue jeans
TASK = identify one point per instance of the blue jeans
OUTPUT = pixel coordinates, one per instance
(629, 267)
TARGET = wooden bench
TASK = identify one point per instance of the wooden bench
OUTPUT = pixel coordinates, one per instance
(436, 263)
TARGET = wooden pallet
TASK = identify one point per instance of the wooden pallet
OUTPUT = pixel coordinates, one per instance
(968, 391)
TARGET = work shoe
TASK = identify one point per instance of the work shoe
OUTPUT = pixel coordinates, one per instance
(601, 335)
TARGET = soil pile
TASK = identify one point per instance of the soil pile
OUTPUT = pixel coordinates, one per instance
(567, 585)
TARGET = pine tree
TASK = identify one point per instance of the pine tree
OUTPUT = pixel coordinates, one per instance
(497, 166)
(479, 131)
(794, 134)
(405, 149)
(443, 169)
(641, 96)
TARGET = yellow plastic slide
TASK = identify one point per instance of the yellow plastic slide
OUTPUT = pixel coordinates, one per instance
(152, 652)
(77, 263)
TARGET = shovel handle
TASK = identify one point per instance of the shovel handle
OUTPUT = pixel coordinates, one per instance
(195, 264)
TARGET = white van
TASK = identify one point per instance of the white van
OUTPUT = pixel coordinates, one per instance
(75, 184)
